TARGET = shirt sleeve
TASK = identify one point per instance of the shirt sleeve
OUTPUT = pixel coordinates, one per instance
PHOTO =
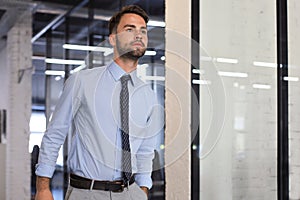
(145, 154)
(143, 179)
(56, 132)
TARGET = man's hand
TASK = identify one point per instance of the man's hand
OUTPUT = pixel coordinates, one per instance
(44, 195)
(145, 189)
(43, 189)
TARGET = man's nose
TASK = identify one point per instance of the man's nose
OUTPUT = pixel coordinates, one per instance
(138, 34)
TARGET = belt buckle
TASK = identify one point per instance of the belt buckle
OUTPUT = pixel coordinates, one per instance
(122, 186)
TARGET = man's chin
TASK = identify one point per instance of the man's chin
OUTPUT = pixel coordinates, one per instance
(139, 51)
(133, 55)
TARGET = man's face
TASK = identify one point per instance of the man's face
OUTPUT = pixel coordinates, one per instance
(131, 39)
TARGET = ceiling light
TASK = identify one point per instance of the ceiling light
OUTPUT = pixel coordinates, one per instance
(58, 78)
(236, 84)
(86, 48)
(198, 71)
(264, 64)
(55, 72)
(290, 78)
(227, 60)
(201, 82)
(150, 53)
(261, 86)
(38, 57)
(106, 50)
(63, 61)
(233, 74)
(156, 23)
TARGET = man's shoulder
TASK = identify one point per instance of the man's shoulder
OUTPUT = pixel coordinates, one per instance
(88, 74)
(92, 71)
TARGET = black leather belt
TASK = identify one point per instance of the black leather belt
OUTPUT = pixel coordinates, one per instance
(86, 183)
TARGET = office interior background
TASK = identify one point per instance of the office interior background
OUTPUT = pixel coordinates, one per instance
(226, 71)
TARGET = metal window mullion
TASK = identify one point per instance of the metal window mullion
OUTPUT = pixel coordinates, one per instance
(195, 110)
(282, 102)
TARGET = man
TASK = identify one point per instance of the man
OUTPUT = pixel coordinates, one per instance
(104, 163)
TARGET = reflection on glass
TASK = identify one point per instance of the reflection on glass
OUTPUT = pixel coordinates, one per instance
(238, 107)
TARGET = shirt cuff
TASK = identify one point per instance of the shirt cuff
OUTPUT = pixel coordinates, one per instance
(143, 179)
(44, 170)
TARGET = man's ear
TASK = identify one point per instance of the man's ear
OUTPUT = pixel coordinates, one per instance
(112, 39)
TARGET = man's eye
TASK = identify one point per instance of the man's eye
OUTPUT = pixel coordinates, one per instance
(129, 30)
(144, 32)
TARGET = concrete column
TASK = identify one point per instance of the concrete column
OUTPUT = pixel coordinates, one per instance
(177, 100)
(19, 65)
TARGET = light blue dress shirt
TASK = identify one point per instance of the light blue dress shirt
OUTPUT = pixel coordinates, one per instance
(89, 109)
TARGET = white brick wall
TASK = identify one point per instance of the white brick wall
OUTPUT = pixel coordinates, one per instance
(19, 54)
(242, 166)
(246, 31)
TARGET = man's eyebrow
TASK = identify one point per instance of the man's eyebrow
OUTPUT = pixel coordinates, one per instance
(133, 26)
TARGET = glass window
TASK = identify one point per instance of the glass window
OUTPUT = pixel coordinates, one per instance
(237, 98)
(294, 106)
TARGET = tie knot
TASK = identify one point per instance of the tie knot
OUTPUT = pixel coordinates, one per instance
(125, 79)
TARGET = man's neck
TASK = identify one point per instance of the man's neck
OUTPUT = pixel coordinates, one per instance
(127, 65)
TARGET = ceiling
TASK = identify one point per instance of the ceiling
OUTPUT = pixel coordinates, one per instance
(84, 22)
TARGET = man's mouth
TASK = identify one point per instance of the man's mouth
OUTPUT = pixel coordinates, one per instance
(138, 44)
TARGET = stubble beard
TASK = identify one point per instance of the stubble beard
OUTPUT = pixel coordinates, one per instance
(131, 54)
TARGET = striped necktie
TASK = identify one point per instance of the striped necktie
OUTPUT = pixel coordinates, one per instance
(124, 112)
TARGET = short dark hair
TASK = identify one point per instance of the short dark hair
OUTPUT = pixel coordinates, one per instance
(115, 19)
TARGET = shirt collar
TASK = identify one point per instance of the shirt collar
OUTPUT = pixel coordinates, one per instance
(117, 72)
